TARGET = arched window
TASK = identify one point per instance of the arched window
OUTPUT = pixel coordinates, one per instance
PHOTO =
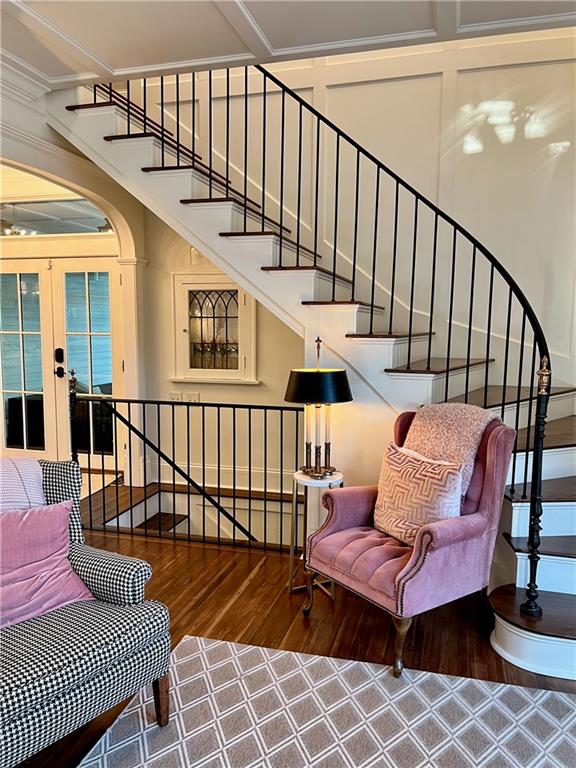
(214, 330)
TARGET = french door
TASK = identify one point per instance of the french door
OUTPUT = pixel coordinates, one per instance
(57, 315)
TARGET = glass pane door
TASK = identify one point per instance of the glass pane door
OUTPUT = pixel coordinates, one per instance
(21, 352)
(28, 421)
(89, 354)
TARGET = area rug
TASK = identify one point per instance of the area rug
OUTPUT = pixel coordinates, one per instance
(239, 706)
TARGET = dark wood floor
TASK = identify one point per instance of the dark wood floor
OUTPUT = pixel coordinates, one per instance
(241, 596)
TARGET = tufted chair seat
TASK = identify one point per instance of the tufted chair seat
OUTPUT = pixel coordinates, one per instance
(367, 556)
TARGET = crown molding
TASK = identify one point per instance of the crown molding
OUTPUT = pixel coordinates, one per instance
(534, 22)
(246, 27)
(43, 27)
(21, 80)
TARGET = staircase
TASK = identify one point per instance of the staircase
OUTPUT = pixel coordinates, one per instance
(335, 243)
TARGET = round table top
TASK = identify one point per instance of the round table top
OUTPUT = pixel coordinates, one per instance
(323, 482)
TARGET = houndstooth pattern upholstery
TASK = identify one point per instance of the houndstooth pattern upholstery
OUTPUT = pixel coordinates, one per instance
(61, 670)
(44, 657)
(115, 578)
(45, 724)
(62, 480)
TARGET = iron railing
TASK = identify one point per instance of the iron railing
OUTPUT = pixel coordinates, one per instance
(377, 241)
(197, 471)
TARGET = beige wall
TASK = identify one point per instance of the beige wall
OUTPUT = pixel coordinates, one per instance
(277, 347)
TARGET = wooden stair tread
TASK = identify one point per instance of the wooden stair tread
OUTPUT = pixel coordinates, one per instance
(440, 365)
(559, 546)
(307, 268)
(495, 395)
(555, 489)
(393, 335)
(202, 200)
(558, 611)
(339, 302)
(560, 433)
(162, 521)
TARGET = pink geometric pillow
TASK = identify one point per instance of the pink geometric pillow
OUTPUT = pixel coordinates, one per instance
(35, 574)
(414, 491)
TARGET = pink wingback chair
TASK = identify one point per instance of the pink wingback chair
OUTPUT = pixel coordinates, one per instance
(450, 558)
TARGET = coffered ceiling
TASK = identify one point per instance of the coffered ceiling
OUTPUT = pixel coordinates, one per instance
(63, 42)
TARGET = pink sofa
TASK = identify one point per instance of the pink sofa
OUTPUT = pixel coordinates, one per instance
(450, 558)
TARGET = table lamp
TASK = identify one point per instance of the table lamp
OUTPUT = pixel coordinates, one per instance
(314, 388)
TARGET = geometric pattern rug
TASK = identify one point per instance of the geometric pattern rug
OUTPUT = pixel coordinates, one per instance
(241, 706)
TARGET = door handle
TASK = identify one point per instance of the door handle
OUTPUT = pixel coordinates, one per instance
(59, 372)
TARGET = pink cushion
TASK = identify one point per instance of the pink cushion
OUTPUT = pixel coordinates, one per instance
(413, 491)
(35, 574)
(366, 554)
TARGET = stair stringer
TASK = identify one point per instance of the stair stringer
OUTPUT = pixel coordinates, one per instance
(240, 258)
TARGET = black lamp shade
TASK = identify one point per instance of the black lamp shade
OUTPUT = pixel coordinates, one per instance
(324, 385)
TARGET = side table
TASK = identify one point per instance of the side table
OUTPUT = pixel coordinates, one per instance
(305, 481)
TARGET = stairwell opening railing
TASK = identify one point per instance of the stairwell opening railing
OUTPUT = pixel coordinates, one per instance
(215, 473)
(333, 206)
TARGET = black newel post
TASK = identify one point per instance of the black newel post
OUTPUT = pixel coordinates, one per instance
(73, 416)
(530, 607)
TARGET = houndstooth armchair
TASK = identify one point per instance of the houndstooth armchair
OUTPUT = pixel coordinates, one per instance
(61, 670)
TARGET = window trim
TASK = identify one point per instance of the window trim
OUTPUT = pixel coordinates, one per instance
(246, 373)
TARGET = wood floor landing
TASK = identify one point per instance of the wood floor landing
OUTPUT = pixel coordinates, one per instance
(241, 596)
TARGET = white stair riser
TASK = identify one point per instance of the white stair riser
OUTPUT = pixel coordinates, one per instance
(557, 462)
(552, 656)
(391, 353)
(555, 574)
(558, 518)
(559, 406)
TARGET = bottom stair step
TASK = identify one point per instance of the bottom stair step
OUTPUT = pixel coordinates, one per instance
(558, 611)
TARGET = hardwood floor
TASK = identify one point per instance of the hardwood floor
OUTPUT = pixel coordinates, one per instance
(241, 596)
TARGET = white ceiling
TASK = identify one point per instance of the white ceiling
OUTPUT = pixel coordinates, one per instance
(60, 43)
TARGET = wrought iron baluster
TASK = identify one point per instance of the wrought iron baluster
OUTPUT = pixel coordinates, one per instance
(282, 150)
(316, 191)
(162, 148)
(263, 197)
(394, 253)
(488, 335)
(374, 250)
(518, 401)
(506, 353)
(177, 119)
(336, 204)
(470, 317)
(299, 187)
(210, 118)
(432, 292)
(355, 245)
(412, 282)
(227, 132)
(450, 314)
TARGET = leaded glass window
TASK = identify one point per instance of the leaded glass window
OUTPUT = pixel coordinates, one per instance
(213, 329)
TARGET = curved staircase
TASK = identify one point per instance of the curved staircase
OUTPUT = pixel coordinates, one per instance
(335, 243)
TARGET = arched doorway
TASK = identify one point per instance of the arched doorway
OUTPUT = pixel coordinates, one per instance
(60, 310)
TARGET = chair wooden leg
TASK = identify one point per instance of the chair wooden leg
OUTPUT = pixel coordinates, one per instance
(161, 691)
(402, 627)
(309, 577)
